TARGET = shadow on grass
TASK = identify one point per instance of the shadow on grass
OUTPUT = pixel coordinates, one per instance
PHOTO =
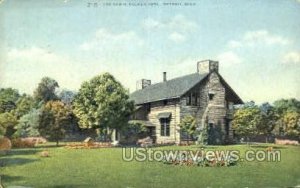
(68, 185)
(5, 162)
(30, 151)
(7, 178)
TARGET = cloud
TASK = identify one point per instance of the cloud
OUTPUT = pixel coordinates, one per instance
(181, 23)
(178, 23)
(103, 39)
(177, 27)
(253, 38)
(177, 37)
(25, 67)
(150, 24)
(292, 57)
(229, 58)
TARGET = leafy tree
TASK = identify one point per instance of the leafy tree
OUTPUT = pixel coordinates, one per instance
(8, 99)
(7, 124)
(54, 120)
(291, 122)
(23, 105)
(188, 124)
(46, 90)
(269, 119)
(28, 124)
(102, 103)
(246, 120)
(284, 105)
(285, 108)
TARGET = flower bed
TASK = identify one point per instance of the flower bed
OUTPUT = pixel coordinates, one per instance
(201, 161)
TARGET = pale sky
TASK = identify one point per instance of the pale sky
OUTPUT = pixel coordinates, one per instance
(256, 42)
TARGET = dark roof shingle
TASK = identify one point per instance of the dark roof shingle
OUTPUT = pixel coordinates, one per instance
(166, 90)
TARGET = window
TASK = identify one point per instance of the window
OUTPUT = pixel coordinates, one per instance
(194, 99)
(165, 102)
(148, 106)
(189, 100)
(165, 127)
(211, 96)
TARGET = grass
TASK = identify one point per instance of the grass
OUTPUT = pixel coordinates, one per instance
(104, 168)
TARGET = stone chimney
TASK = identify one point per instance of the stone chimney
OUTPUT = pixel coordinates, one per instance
(207, 66)
(143, 83)
(164, 76)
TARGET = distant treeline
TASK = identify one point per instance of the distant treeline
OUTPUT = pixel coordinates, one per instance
(103, 104)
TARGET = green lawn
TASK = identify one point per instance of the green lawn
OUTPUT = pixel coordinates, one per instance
(105, 168)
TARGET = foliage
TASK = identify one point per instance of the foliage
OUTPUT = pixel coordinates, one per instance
(269, 119)
(135, 128)
(8, 99)
(288, 110)
(102, 103)
(284, 105)
(291, 122)
(46, 90)
(246, 120)
(188, 124)
(28, 124)
(203, 137)
(66, 96)
(54, 120)
(7, 124)
(23, 105)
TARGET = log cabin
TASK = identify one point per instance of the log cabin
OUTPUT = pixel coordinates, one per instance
(204, 94)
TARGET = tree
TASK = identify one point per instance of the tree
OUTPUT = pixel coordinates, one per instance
(7, 124)
(286, 109)
(102, 103)
(28, 124)
(54, 120)
(284, 105)
(246, 120)
(46, 90)
(66, 96)
(188, 124)
(291, 122)
(268, 121)
(8, 99)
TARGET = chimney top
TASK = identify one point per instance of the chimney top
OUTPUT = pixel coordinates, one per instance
(143, 83)
(207, 66)
(164, 76)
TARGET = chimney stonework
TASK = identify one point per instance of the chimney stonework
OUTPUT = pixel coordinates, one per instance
(207, 66)
(164, 76)
(143, 83)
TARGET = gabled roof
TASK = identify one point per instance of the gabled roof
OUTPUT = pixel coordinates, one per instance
(174, 88)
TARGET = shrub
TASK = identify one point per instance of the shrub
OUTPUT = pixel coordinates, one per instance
(23, 143)
(5, 144)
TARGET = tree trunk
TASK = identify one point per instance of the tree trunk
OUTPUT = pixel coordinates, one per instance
(57, 143)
